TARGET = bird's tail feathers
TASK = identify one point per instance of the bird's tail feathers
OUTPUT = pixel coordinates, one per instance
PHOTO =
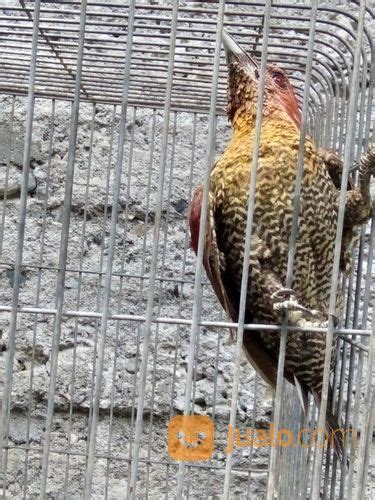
(303, 395)
(336, 432)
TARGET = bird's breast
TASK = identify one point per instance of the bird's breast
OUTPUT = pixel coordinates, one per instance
(272, 215)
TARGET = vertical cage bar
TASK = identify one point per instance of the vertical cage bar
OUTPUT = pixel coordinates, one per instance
(183, 271)
(274, 466)
(154, 258)
(160, 301)
(352, 107)
(35, 329)
(60, 285)
(197, 306)
(8, 375)
(79, 293)
(247, 246)
(357, 366)
(104, 219)
(367, 420)
(111, 253)
(143, 267)
(6, 183)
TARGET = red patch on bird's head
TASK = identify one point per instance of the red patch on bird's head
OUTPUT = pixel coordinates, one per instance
(243, 87)
(243, 90)
(278, 84)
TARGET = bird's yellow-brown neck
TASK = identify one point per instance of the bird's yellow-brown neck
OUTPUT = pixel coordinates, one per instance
(279, 143)
(274, 116)
(275, 133)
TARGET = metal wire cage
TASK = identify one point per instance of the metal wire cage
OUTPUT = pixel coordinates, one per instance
(111, 113)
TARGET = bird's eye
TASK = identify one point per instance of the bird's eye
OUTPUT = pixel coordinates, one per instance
(279, 79)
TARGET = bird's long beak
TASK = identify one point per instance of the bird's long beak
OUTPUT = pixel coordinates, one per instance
(235, 52)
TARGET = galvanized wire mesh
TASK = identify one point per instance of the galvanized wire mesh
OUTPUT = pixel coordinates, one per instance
(108, 326)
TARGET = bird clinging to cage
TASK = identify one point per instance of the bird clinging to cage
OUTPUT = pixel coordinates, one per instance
(306, 304)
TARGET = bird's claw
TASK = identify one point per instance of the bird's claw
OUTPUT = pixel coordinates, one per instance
(283, 299)
(282, 294)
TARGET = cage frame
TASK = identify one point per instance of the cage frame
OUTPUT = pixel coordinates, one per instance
(343, 121)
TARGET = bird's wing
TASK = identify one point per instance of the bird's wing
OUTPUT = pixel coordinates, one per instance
(211, 255)
(214, 263)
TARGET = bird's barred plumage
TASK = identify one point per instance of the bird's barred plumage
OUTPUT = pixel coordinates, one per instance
(272, 222)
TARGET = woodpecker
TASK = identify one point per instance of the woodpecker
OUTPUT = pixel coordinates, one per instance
(267, 300)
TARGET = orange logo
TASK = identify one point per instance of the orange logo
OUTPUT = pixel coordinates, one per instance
(190, 438)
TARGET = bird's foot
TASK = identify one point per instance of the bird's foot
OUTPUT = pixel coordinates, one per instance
(284, 300)
(299, 315)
